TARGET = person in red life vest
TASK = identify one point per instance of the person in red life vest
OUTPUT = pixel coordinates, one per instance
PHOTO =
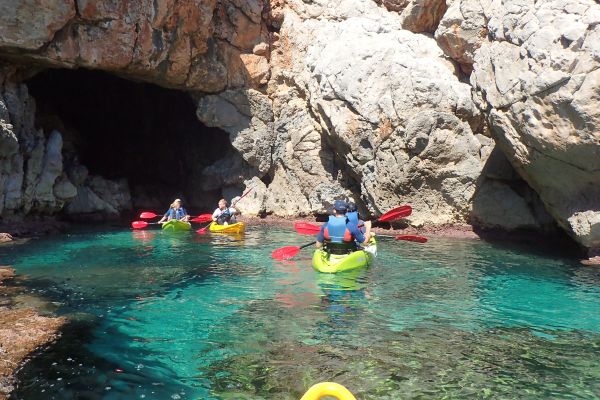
(337, 235)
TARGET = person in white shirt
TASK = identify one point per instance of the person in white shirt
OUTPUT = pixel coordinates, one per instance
(224, 215)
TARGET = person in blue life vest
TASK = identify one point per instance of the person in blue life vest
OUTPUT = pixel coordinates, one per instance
(175, 211)
(224, 215)
(338, 235)
(353, 217)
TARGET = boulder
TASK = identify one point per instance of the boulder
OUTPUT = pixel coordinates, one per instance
(540, 80)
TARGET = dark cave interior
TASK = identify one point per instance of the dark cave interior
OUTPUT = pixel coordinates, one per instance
(119, 128)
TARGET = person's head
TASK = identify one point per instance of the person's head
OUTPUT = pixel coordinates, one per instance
(340, 207)
(176, 203)
(351, 207)
(222, 204)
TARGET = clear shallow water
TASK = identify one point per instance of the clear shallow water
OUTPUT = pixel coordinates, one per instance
(161, 316)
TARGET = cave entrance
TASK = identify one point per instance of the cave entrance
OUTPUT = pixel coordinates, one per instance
(119, 128)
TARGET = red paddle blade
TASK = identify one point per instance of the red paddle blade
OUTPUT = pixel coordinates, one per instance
(412, 238)
(285, 253)
(139, 224)
(202, 218)
(202, 231)
(396, 213)
(305, 228)
(148, 215)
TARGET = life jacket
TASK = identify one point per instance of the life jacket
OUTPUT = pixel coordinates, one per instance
(224, 217)
(353, 219)
(338, 239)
(176, 213)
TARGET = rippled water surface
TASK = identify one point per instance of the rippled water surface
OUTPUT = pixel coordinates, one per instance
(163, 316)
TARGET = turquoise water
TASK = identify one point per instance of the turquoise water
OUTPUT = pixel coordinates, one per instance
(164, 316)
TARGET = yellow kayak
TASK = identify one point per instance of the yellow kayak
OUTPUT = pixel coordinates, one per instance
(332, 263)
(238, 227)
(176, 226)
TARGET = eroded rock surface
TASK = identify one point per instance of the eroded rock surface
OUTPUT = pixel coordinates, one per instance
(33, 176)
(540, 80)
(327, 99)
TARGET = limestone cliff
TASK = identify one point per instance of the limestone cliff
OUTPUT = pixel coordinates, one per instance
(480, 112)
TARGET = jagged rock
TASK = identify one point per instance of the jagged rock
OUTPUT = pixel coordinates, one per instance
(405, 138)
(248, 118)
(423, 15)
(30, 25)
(100, 196)
(63, 189)
(540, 79)
(463, 29)
(50, 170)
(175, 44)
(254, 202)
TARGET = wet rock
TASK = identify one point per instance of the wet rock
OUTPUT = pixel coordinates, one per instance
(5, 237)
(6, 272)
(21, 332)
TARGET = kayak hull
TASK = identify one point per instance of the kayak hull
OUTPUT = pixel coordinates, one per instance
(176, 226)
(238, 227)
(332, 263)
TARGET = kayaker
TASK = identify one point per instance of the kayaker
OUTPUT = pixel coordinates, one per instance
(224, 215)
(338, 235)
(353, 217)
(175, 211)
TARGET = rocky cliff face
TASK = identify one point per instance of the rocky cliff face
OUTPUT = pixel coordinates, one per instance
(481, 112)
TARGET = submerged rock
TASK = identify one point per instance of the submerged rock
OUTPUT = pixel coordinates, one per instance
(22, 330)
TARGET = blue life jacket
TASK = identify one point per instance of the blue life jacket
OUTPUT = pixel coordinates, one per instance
(336, 230)
(176, 214)
(352, 217)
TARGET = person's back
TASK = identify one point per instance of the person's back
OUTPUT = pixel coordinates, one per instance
(338, 235)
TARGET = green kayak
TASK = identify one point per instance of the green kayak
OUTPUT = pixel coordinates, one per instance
(176, 226)
(332, 263)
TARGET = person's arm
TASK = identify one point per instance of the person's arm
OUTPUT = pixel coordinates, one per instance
(368, 228)
(321, 236)
(215, 215)
(234, 211)
(361, 238)
(164, 218)
(186, 216)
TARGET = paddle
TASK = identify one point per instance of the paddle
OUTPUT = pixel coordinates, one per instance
(200, 218)
(306, 228)
(287, 252)
(202, 231)
(396, 213)
(408, 238)
(141, 224)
